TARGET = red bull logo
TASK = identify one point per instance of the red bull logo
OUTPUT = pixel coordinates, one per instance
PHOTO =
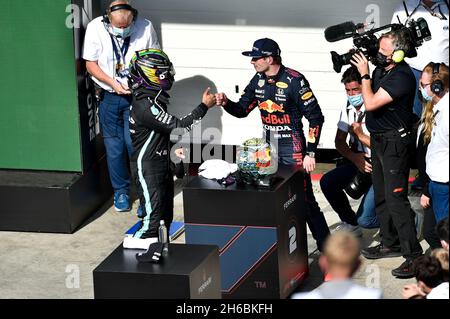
(273, 119)
(271, 107)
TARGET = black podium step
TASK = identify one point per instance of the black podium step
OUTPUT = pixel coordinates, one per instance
(260, 232)
(188, 272)
(51, 202)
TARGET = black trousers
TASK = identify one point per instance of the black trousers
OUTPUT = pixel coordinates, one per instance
(314, 216)
(154, 184)
(391, 158)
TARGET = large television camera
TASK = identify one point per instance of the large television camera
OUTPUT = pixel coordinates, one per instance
(415, 32)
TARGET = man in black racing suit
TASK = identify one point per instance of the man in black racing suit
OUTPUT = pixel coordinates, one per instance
(283, 97)
(151, 75)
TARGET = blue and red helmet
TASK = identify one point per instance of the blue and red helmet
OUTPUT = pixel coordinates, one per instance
(151, 69)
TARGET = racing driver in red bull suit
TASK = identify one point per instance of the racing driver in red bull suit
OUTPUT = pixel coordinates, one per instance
(283, 97)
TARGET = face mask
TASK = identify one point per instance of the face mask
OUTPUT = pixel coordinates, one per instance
(121, 33)
(425, 95)
(355, 100)
(381, 60)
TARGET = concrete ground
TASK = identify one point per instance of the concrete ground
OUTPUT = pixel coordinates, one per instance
(37, 265)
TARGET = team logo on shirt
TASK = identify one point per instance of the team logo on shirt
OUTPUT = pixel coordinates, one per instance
(273, 119)
(282, 85)
(270, 107)
(307, 96)
(312, 100)
(154, 110)
(261, 83)
(304, 90)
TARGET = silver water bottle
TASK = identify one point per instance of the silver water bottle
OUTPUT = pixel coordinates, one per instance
(163, 236)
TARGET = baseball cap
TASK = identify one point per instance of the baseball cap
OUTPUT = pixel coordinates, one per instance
(263, 47)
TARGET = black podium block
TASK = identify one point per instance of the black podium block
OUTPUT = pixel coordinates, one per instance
(261, 233)
(53, 202)
(188, 272)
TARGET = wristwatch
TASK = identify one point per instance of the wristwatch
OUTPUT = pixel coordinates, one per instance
(366, 77)
(311, 154)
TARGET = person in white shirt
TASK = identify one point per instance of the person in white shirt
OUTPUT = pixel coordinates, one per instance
(110, 42)
(434, 84)
(340, 261)
(435, 12)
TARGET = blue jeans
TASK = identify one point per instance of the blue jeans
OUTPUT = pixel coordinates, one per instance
(366, 214)
(439, 196)
(114, 122)
(333, 184)
(417, 107)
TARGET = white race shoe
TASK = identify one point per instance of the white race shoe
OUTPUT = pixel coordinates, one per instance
(131, 242)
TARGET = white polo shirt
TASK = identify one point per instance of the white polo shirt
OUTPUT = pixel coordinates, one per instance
(437, 154)
(98, 45)
(350, 115)
(435, 50)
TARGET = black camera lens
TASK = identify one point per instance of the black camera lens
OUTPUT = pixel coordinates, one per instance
(359, 185)
(340, 60)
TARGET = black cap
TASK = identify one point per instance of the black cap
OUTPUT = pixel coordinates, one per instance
(263, 47)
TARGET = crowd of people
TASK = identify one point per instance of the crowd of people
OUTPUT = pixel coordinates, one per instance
(392, 115)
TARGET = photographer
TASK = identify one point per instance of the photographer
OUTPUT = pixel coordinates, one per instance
(388, 99)
(333, 183)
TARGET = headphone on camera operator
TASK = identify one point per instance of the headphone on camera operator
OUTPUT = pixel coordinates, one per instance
(401, 47)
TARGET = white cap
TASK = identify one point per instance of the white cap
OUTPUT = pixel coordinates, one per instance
(161, 222)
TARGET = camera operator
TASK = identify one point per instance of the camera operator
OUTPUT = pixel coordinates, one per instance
(435, 12)
(388, 99)
(333, 183)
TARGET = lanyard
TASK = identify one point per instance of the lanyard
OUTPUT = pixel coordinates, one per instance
(438, 15)
(120, 54)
